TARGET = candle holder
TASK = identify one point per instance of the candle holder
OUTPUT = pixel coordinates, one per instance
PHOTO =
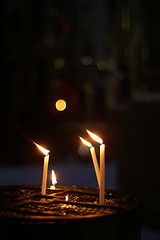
(79, 216)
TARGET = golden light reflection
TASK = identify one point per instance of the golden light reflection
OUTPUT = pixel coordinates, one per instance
(95, 137)
(85, 142)
(60, 105)
(43, 150)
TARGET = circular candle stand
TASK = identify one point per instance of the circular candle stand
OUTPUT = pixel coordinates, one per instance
(24, 212)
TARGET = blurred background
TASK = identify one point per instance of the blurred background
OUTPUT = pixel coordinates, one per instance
(71, 65)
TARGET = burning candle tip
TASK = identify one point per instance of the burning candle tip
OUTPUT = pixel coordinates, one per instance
(95, 137)
(67, 198)
(85, 142)
(43, 150)
(54, 180)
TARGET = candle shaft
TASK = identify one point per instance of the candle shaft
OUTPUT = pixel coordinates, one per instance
(45, 171)
(102, 174)
(95, 163)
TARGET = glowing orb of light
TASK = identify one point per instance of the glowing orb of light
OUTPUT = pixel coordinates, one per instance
(60, 105)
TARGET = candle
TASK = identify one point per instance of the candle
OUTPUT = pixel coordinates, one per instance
(94, 158)
(67, 198)
(102, 174)
(95, 137)
(95, 163)
(54, 180)
(45, 172)
(45, 167)
(102, 166)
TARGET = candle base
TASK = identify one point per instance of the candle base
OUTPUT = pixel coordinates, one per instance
(80, 216)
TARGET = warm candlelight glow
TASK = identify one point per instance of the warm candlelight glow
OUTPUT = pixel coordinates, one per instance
(66, 198)
(85, 142)
(45, 167)
(54, 180)
(95, 137)
(60, 105)
(43, 150)
(99, 172)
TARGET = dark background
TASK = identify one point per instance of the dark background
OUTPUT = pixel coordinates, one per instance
(103, 58)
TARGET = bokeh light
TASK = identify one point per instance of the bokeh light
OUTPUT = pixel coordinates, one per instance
(102, 65)
(59, 63)
(87, 60)
(60, 105)
(49, 41)
(83, 150)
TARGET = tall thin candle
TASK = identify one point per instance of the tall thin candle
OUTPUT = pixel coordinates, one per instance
(102, 166)
(94, 158)
(45, 173)
(102, 174)
(95, 163)
(45, 167)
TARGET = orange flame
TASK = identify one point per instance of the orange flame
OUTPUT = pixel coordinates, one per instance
(85, 142)
(43, 150)
(54, 180)
(66, 198)
(95, 137)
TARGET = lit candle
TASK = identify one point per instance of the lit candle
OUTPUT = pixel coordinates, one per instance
(54, 180)
(102, 166)
(94, 158)
(67, 198)
(45, 172)
(95, 162)
(45, 167)
(102, 174)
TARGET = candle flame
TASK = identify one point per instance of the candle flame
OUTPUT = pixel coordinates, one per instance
(85, 142)
(43, 150)
(54, 180)
(95, 137)
(66, 198)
